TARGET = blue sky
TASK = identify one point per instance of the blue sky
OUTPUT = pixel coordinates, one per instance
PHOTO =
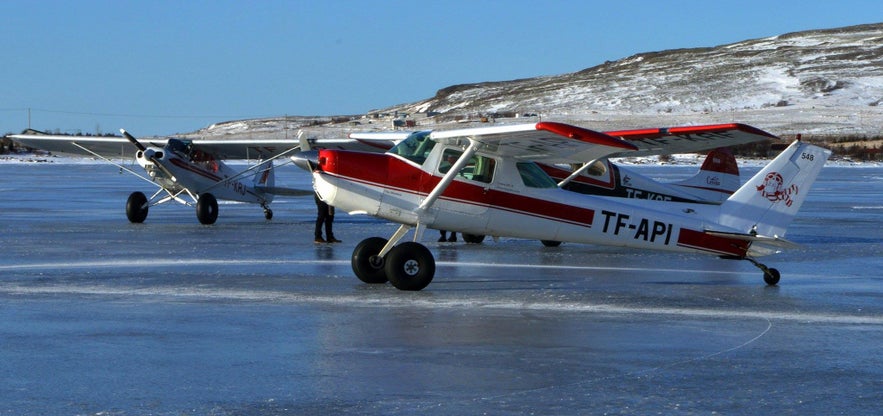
(161, 67)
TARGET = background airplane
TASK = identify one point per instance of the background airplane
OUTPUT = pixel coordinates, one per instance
(492, 186)
(193, 172)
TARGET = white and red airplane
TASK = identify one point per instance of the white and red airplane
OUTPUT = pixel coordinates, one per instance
(195, 168)
(484, 181)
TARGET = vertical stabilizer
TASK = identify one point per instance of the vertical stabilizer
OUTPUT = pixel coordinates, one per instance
(265, 175)
(718, 178)
(265, 179)
(766, 204)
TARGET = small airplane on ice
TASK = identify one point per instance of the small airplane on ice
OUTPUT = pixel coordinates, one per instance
(194, 168)
(484, 181)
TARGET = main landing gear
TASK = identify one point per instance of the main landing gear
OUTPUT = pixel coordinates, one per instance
(138, 204)
(207, 209)
(408, 266)
(770, 275)
(136, 207)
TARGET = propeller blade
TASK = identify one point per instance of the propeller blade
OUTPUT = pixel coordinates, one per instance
(133, 140)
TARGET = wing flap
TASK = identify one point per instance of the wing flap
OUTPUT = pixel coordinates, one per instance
(690, 139)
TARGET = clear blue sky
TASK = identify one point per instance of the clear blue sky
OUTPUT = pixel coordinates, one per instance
(161, 67)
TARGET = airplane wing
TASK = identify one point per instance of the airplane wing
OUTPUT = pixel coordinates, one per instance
(690, 139)
(109, 146)
(544, 141)
(114, 146)
(266, 148)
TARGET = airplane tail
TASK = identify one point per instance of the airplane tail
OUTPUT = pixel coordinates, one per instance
(767, 203)
(265, 178)
(718, 178)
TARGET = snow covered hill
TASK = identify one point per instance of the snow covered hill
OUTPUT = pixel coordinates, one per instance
(824, 83)
(821, 81)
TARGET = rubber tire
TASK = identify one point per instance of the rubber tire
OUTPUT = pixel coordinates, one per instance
(136, 208)
(771, 277)
(473, 238)
(410, 266)
(550, 243)
(361, 261)
(207, 209)
(268, 214)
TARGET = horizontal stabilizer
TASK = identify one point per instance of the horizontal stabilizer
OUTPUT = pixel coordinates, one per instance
(760, 239)
(275, 190)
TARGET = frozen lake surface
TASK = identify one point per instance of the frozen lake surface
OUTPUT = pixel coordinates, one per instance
(250, 317)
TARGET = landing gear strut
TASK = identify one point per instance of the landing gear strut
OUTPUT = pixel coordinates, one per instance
(770, 275)
(408, 266)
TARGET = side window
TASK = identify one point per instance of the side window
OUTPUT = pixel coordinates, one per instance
(479, 168)
(533, 176)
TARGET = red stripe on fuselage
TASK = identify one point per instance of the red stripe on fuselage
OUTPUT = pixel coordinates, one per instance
(190, 168)
(389, 172)
(701, 241)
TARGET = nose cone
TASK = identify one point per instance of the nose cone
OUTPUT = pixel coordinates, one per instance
(308, 161)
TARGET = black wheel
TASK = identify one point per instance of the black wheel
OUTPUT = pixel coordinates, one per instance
(473, 238)
(550, 243)
(136, 207)
(207, 209)
(268, 214)
(410, 266)
(366, 265)
(771, 277)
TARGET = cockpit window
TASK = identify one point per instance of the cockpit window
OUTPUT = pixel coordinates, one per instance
(533, 176)
(414, 148)
(181, 147)
(478, 168)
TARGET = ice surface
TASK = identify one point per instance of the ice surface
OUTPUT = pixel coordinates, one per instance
(100, 316)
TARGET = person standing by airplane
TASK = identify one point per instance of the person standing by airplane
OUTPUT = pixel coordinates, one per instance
(325, 216)
(443, 238)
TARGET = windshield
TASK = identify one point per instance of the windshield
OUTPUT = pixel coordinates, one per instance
(414, 148)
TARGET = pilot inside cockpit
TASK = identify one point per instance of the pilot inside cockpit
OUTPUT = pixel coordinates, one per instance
(179, 147)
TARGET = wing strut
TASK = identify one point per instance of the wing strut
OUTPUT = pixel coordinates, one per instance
(449, 176)
(253, 167)
(125, 168)
(431, 198)
(577, 172)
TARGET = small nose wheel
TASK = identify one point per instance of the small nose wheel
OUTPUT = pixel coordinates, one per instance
(770, 276)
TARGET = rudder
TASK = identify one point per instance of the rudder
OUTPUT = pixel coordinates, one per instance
(766, 204)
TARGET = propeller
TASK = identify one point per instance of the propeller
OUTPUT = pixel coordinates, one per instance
(133, 140)
(148, 155)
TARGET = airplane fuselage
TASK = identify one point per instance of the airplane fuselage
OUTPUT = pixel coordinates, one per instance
(393, 188)
(178, 172)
